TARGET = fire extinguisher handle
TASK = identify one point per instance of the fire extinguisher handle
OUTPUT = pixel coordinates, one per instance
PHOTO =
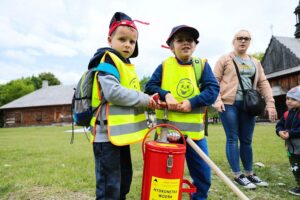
(162, 125)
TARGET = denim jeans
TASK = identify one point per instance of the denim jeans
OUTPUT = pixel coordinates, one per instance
(113, 170)
(239, 127)
(199, 170)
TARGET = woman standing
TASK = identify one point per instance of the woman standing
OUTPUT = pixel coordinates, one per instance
(237, 124)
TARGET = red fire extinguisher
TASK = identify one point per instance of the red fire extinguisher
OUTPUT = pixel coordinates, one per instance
(164, 168)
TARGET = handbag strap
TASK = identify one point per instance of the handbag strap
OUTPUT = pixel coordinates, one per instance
(238, 75)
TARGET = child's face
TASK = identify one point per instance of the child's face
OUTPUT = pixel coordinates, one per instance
(292, 103)
(123, 40)
(183, 46)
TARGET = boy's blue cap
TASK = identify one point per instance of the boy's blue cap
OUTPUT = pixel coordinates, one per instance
(121, 19)
(176, 29)
(294, 93)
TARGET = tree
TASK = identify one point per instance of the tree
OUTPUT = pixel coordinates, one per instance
(15, 89)
(20, 87)
(48, 76)
(143, 82)
(259, 56)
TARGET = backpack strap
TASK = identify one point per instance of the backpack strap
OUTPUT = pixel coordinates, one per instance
(198, 65)
(285, 115)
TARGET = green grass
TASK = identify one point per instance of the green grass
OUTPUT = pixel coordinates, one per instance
(39, 163)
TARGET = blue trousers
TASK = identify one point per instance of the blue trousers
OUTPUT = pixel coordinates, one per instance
(113, 170)
(199, 170)
(239, 127)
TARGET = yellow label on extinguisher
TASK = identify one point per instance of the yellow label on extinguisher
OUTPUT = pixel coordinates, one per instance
(164, 189)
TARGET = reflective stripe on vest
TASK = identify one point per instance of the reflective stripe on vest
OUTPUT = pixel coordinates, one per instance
(125, 125)
(182, 86)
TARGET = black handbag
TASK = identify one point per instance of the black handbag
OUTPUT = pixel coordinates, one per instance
(254, 104)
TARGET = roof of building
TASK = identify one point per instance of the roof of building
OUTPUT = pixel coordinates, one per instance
(46, 96)
(292, 44)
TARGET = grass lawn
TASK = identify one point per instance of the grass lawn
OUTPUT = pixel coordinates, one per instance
(39, 163)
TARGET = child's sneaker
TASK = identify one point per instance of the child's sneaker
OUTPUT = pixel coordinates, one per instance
(257, 181)
(243, 181)
(295, 191)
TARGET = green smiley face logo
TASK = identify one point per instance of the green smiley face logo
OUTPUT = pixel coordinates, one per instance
(185, 88)
(133, 83)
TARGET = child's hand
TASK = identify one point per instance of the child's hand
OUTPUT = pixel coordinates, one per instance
(185, 106)
(171, 102)
(284, 135)
(152, 102)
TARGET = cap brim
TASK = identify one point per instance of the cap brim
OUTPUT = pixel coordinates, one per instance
(193, 31)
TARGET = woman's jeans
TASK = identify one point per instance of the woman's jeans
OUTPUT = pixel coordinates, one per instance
(239, 127)
(113, 171)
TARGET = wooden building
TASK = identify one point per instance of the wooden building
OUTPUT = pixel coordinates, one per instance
(282, 64)
(46, 106)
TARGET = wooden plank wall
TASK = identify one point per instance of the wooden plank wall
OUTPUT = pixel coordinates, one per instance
(37, 116)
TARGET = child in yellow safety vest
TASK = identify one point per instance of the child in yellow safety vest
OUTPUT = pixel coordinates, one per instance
(119, 119)
(176, 83)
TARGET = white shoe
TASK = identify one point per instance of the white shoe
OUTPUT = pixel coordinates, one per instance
(243, 181)
(257, 181)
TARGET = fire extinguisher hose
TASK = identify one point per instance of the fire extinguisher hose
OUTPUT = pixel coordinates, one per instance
(217, 170)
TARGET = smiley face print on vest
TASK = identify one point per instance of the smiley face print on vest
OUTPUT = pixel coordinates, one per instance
(185, 88)
(133, 83)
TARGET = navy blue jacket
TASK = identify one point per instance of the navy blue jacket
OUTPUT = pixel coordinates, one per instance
(290, 122)
(209, 86)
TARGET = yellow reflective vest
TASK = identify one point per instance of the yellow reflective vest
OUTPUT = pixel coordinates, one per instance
(125, 125)
(181, 82)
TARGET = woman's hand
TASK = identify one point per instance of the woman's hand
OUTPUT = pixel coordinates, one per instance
(219, 106)
(272, 114)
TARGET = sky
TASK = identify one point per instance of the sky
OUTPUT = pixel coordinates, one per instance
(60, 36)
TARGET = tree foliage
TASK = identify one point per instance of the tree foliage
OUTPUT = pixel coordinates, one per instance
(259, 56)
(20, 87)
(52, 80)
(143, 82)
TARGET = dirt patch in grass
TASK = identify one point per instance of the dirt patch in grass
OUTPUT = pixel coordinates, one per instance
(46, 193)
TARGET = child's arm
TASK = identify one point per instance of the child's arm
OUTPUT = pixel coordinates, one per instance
(115, 93)
(294, 132)
(284, 135)
(209, 89)
(280, 126)
(154, 84)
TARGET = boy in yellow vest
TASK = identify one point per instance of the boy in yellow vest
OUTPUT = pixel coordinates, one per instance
(119, 119)
(175, 82)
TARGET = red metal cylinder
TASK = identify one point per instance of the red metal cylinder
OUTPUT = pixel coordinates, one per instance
(163, 171)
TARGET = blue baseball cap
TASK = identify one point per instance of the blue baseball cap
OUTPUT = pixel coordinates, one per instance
(183, 28)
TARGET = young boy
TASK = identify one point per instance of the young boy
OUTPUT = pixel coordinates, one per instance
(174, 80)
(120, 119)
(288, 128)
